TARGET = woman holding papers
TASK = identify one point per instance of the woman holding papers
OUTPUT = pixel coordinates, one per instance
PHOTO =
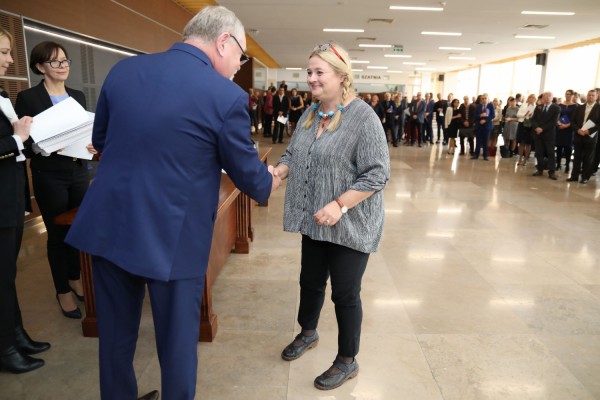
(15, 343)
(59, 182)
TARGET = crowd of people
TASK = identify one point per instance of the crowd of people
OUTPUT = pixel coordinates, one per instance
(557, 128)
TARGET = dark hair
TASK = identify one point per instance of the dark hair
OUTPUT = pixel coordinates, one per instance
(43, 52)
(454, 100)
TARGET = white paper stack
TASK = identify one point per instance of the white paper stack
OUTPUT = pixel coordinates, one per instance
(66, 126)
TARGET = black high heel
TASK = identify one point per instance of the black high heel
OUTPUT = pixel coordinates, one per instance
(80, 298)
(75, 314)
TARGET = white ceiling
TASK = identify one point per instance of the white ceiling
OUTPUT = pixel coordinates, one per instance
(289, 29)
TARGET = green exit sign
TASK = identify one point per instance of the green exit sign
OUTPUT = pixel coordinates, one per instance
(398, 48)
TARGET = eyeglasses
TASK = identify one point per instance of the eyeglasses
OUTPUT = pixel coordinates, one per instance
(58, 64)
(325, 47)
(244, 57)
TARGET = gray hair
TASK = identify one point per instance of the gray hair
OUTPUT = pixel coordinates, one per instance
(210, 22)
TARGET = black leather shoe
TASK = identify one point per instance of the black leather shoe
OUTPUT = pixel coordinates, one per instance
(80, 298)
(26, 345)
(75, 314)
(552, 176)
(572, 179)
(12, 360)
(485, 159)
(474, 157)
(328, 380)
(153, 395)
(584, 181)
(292, 352)
(537, 173)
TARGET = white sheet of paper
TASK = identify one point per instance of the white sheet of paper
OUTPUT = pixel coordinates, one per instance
(282, 119)
(69, 137)
(57, 119)
(589, 124)
(8, 110)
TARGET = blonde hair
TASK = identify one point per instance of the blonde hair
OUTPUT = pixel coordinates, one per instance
(334, 55)
(4, 32)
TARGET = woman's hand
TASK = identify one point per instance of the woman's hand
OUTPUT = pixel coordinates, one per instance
(328, 215)
(22, 127)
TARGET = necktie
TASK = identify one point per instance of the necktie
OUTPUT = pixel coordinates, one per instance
(545, 108)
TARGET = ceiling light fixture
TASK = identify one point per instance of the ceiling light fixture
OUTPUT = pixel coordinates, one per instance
(409, 8)
(414, 63)
(342, 30)
(547, 13)
(384, 46)
(397, 56)
(453, 48)
(395, 72)
(533, 37)
(376, 67)
(442, 33)
(294, 69)
(360, 61)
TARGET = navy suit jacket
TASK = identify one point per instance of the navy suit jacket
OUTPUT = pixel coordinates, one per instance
(419, 110)
(166, 124)
(545, 120)
(491, 114)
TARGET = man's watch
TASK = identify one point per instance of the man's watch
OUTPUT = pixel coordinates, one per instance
(343, 208)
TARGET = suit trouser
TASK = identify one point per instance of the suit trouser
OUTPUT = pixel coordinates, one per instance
(57, 192)
(482, 133)
(585, 150)
(10, 244)
(428, 127)
(389, 127)
(416, 125)
(176, 313)
(278, 132)
(544, 146)
(440, 127)
(267, 128)
(596, 159)
(346, 266)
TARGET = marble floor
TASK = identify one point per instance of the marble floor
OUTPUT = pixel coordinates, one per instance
(486, 286)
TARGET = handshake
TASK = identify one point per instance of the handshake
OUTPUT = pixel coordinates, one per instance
(279, 173)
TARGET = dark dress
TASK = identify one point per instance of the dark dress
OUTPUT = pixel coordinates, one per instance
(295, 114)
(454, 125)
(564, 137)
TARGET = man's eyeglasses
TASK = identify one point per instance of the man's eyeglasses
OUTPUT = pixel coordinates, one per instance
(327, 46)
(58, 64)
(244, 57)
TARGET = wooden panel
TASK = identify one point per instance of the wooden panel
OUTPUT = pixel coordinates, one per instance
(15, 26)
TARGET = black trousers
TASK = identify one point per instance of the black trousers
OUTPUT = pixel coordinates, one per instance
(585, 150)
(57, 192)
(10, 244)
(278, 132)
(267, 125)
(345, 266)
(544, 145)
(440, 128)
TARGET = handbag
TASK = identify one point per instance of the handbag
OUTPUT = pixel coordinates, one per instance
(465, 132)
(527, 123)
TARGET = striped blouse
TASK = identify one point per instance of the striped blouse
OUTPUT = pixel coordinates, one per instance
(354, 156)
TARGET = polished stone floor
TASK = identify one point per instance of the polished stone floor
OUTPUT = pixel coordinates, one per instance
(486, 286)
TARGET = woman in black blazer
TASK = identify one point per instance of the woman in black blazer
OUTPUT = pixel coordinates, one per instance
(15, 344)
(59, 182)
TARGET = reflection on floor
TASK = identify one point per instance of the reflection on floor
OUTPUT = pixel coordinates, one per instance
(486, 286)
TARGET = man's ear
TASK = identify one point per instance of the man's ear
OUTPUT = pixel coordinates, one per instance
(220, 43)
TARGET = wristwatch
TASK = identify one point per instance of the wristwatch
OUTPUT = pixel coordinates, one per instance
(343, 208)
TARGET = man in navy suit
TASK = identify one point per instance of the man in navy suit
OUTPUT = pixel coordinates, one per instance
(417, 113)
(166, 125)
(484, 115)
(543, 125)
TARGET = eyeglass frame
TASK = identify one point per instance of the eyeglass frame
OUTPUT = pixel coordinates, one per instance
(244, 58)
(325, 47)
(67, 62)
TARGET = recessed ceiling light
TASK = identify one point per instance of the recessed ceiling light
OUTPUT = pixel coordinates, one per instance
(547, 13)
(395, 72)
(408, 8)
(357, 70)
(342, 30)
(294, 69)
(414, 63)
(533, 37)
(442, 33)
(360, 61)
(425, 69)
(375, 45)
(460, 58)
(397, 55)
(376, 67)
(453, 48)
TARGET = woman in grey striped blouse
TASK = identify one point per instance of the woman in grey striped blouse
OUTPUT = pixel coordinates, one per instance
(337, 165)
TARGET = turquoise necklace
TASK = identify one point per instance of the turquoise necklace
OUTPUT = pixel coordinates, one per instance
(325, 116)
